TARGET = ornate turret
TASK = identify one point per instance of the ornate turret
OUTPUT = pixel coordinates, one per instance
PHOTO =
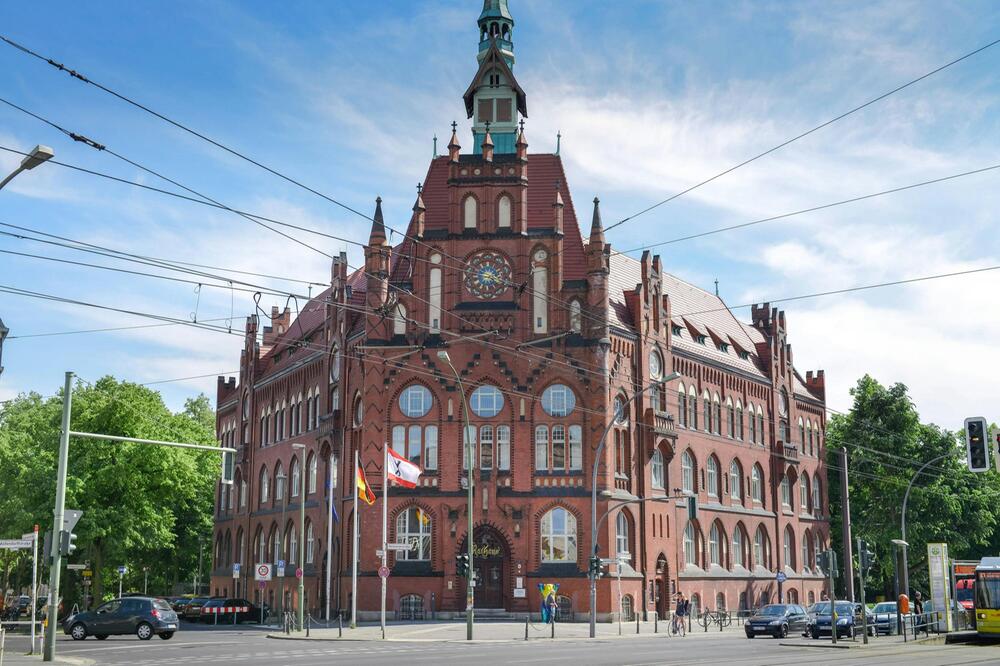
(378, 255)
(419, 210)
(494, 96)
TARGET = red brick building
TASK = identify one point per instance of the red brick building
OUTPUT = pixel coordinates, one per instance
(551, 333)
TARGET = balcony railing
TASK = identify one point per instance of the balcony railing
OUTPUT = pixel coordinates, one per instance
(790, 452)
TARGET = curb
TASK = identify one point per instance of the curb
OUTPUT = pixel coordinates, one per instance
(558, 639)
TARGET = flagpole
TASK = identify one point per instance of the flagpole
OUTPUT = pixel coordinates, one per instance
(385, 503)
(329, 536)
(354, 551)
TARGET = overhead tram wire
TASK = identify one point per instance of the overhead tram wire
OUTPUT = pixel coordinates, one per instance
(781, 145)
(103, 330)
(128, 100)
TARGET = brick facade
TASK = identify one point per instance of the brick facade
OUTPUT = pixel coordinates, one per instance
(562, 329)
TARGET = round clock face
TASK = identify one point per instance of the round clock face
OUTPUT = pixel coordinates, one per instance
(488, 275)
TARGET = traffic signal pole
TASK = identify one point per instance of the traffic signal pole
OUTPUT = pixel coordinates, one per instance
(49, 648)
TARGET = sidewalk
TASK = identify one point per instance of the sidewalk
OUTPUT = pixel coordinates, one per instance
(500, 631)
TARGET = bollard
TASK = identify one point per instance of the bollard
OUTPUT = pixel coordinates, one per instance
(656, 622)
(340, 625)
(433, 609)
(308, 624)
(234, 617)
(637, 624)
(216, 622)
(552, 622)
(720, 621)
(525, 627)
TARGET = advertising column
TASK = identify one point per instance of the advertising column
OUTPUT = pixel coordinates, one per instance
(937, 564)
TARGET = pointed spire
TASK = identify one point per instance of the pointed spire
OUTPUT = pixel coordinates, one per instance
(522, 143)
(454, 148)
(417, 221)
(557, 209)
(487, 144)
(378, 226)
(596, 227)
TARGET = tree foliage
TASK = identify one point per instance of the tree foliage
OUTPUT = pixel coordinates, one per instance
(886, 445)
(144, 505)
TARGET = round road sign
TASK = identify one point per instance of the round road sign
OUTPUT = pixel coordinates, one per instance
(781, 577)
(261, 584)
(298, 573)
(383, 572)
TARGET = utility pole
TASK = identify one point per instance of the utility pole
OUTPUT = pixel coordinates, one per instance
(197, 579)
(48, 650)
(863, 553)
(832, 570)
(145, 580)
(846, 515)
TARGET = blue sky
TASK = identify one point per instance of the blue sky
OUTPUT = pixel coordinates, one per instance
(650, 98)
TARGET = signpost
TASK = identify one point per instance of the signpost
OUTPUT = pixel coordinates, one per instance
(781, 578)
(122, 570)
(937, 564)
(236, 570)
(263, 573)
(14, 544)
(298, 572)
(281, 569)
(383, 572)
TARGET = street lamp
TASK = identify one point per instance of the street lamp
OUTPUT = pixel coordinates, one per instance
(593, 496)
(897, 544)
(469, 590)
(37, 156)
(902, 525)
(280, 478)
(301, 573)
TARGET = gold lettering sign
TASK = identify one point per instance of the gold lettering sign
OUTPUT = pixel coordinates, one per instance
(485, 550)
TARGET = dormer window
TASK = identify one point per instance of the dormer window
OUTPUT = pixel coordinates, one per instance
(676, 330)
(745, 355)
(724, 347)
(701, 339)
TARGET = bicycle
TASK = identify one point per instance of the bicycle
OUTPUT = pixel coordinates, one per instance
(722, 619)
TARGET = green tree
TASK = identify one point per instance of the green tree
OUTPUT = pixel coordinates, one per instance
(886, 444)
(144, 506)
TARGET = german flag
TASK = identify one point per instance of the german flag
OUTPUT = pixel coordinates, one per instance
(364, 490)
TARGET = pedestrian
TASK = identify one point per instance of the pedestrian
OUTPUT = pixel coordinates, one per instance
(552, 604)
(823, 596)
(918, 610)
(679, 614)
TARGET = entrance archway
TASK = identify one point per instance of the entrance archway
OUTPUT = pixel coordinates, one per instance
(489, 560)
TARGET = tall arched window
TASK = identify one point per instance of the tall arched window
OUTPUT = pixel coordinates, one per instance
(656, 467)
(541, 448)
(681, 406)
(470, 210)
(788, 548)
(293, 544)
(687, 472)
(259, 546)
(310, 542)
(692, 421)
(413, 526)
(558, 529)
(731, 418)
(296, 478)
(712, 479)
(311, 479)
(753, 425)
(706, 408)
(739, 420)
(503, 212)
(760, 557)
(434, 294)
(540, 291)
(276, 540)
(786, 491)
(804, 493)
(399, 320)
(714, 545)
(716, 415)
(762, 434)
(735, 481)
(690, 553)
(738, 547)
(757, 484)
(575, 316)
(621, 533)
(279, 483)
(817, 505)
(802, 434)
(805, 560)
(264, 485)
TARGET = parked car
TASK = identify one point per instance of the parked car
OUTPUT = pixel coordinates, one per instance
(885, 617)
(192, 609)
(142, 616)
(178, 603)
(222, 608)
(822, 622)
(776, 620)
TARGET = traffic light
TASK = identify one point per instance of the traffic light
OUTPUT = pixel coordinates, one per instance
(462, 563)
(67, 543)
(866, 557)
(977, 443)
(692, 507)
(47, 547)
(596, 568)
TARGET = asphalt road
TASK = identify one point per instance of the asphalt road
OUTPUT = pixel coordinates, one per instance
(247, 645)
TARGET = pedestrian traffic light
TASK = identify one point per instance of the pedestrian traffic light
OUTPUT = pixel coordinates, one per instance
(977, 443)
(692, 507)
(462, 564)
(596, 568)
(67, 543)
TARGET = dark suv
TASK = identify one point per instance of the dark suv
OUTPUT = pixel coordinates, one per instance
(142, 616)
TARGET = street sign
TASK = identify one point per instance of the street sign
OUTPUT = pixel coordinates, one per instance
(70, 518)
(87, 573)
(76, 567)
(400, 546)
(383, 572)
(261, 584)
(298, 573)
(30, 536)
(379, 552)
(122, 570)
(263, 572)
(781, 577)
(236, 569)
(14, 544)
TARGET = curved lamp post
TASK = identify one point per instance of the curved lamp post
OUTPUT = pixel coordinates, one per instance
(39, 155)
(906, 498)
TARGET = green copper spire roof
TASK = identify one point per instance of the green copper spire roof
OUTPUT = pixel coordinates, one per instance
(496, 23)
(495, 9)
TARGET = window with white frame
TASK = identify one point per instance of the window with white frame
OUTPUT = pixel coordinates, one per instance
(264, 485)
(296, 478)
(559, 448)
(714, 545)
(575, 316)
(786, 491)
(716, 415)
(760, 548)
(470, 212)
(486, 401)
(540, 289)
(558, 400)
(689, 544)
(804, 493)
(757, 484)
(730, 418)
(687, 472)
(817, 505)
(621, 534)
(313, 471)
(279, 483)
(541, 447)
(681, 406)
(788, 548)
(657, 471)
(712, 479)
(692, 421)
(415, 401)
(293, 545)
(735, 481)
(706, 408)
(399, 320)
(503, 212)
(738, 546)
(310, 542)
(805, 553)
(558, 528)
(413, 526)
(418, 444)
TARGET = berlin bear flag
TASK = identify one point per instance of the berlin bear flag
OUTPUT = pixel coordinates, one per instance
(402, 471)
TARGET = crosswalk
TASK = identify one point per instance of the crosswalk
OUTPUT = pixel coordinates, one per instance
(283, 656)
